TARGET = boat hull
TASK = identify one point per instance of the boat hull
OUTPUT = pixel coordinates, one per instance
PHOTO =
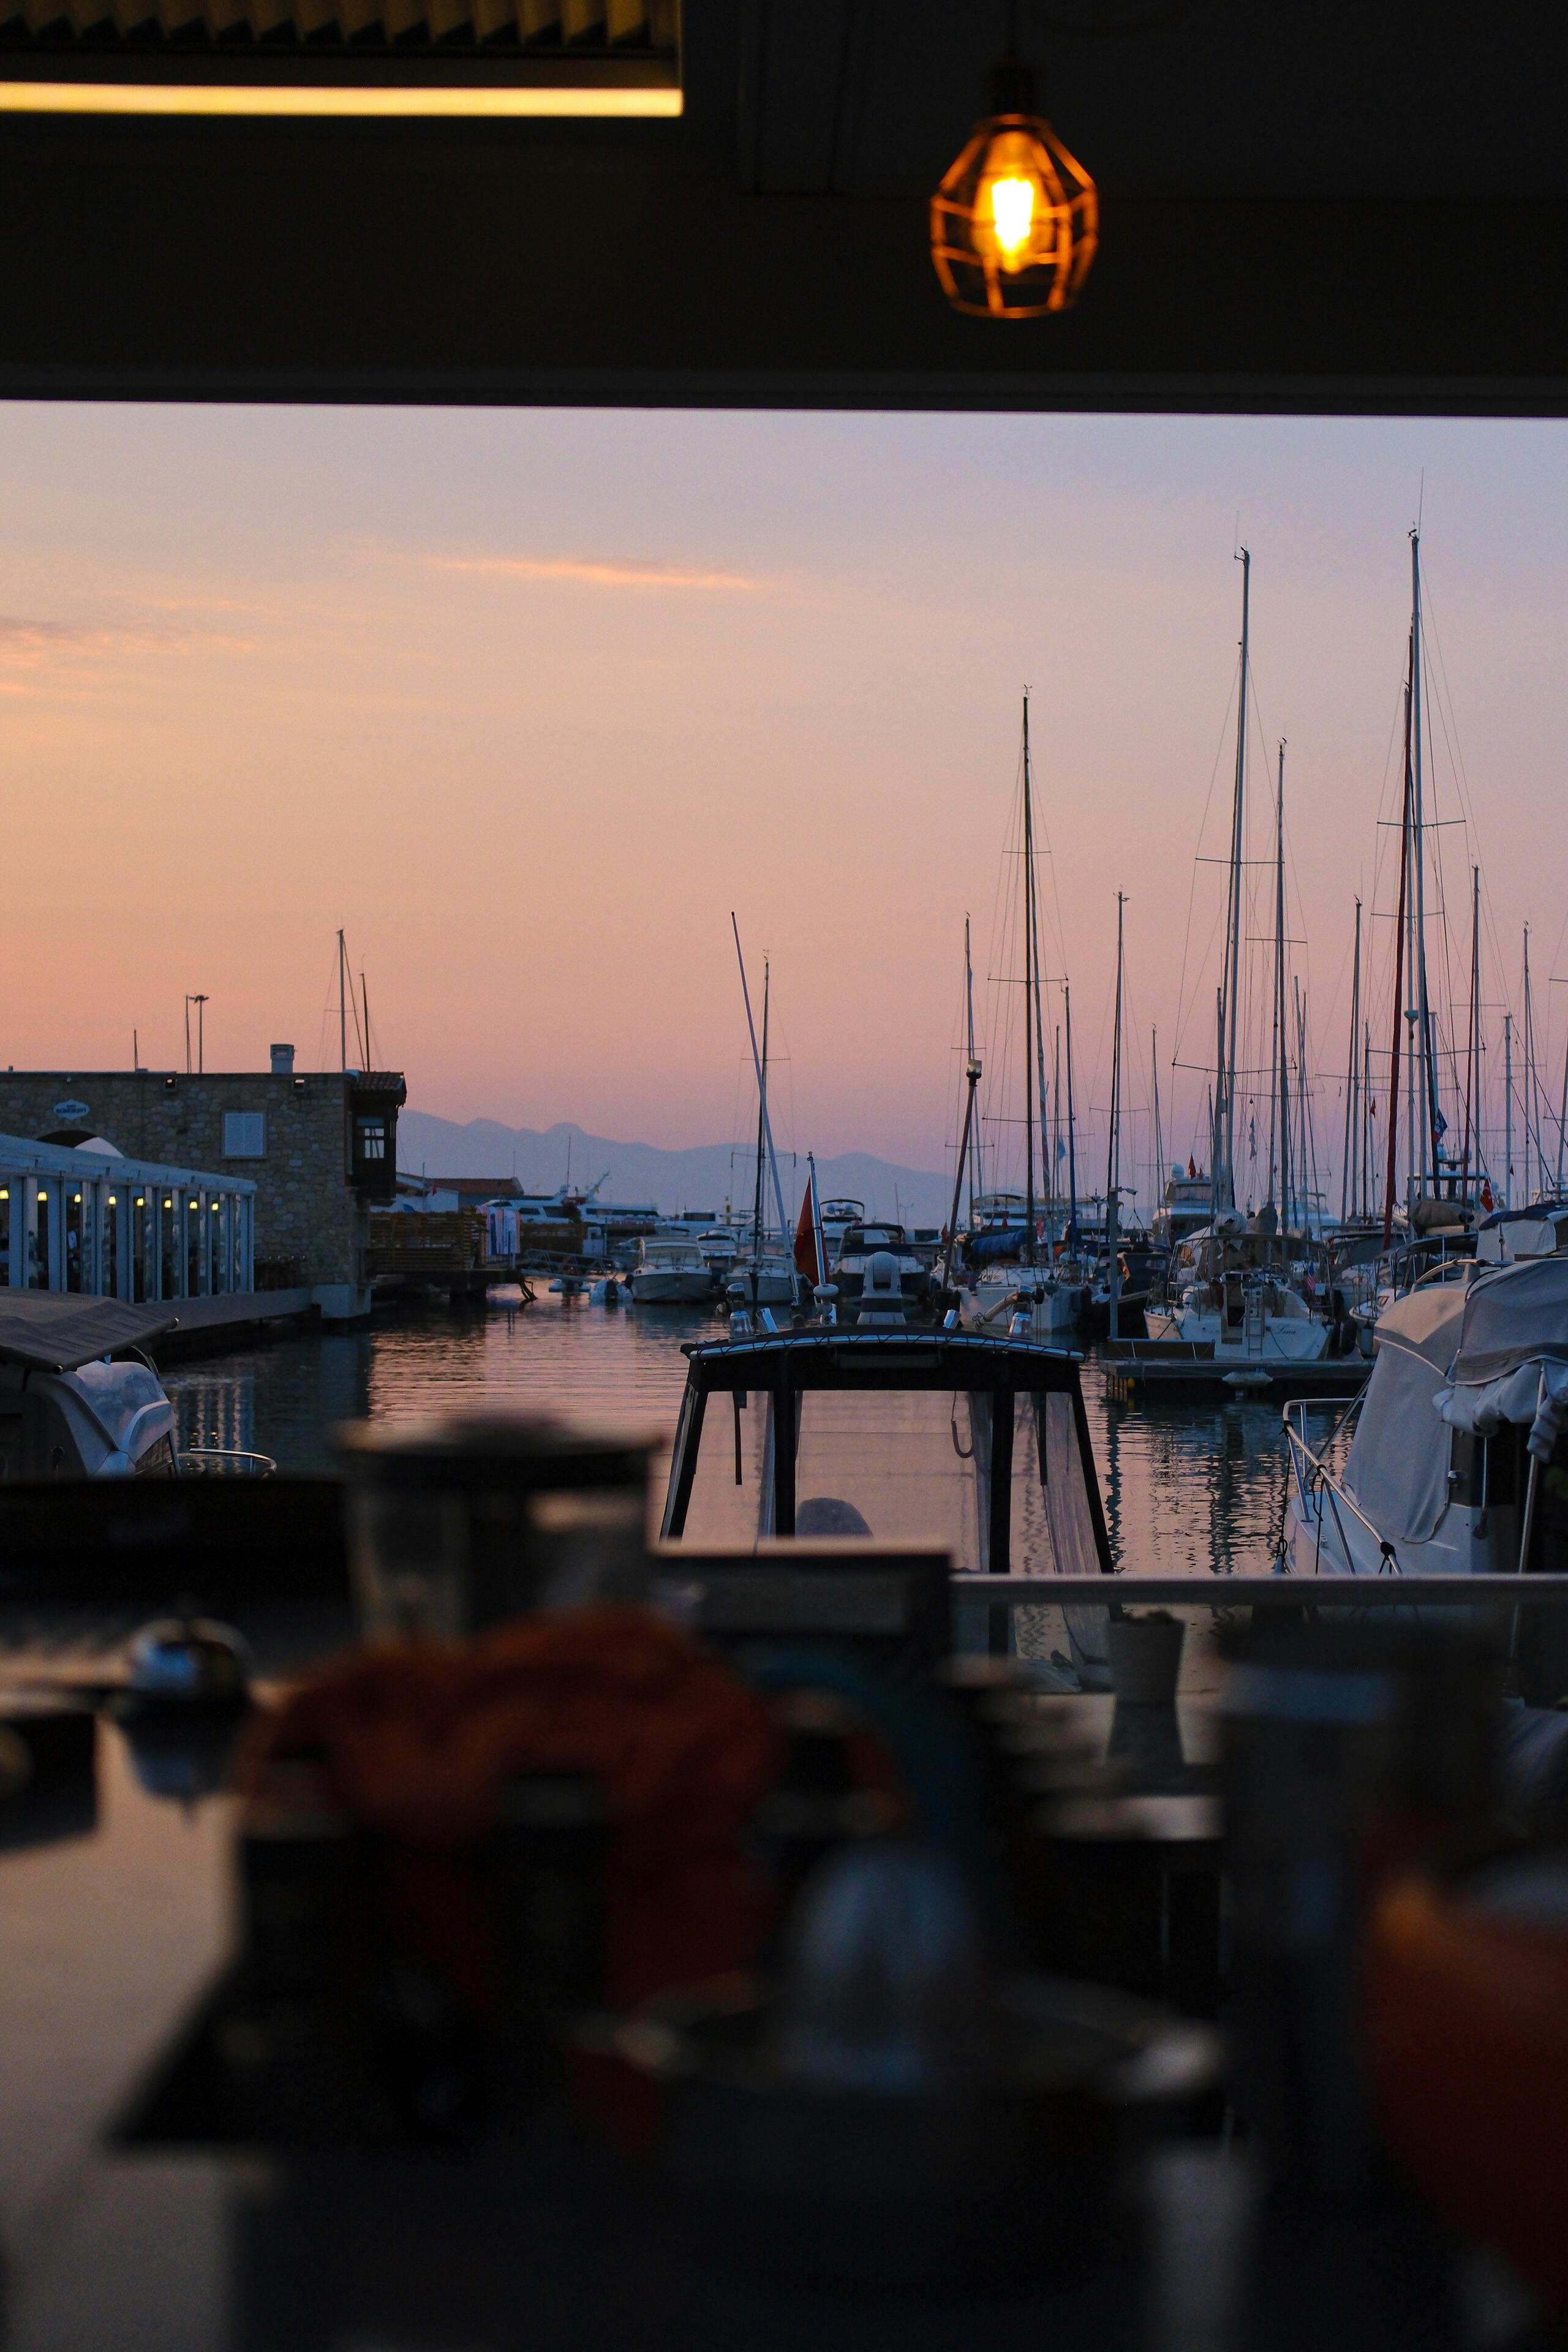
(674, 1286)
(1051, 1316)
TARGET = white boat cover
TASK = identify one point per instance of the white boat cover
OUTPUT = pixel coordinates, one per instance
(56, 1330)
(119, 1395)
(1517, 1316)
(1535, 1392)
(1395, 1471)
(1511, 1364)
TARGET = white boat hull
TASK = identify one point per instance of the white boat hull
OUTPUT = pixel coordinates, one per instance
(771, 1287)
(1273, 1339)
(1051, 1317)
(672, 1286)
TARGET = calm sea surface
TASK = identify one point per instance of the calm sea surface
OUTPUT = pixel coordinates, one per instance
(1188, 1487)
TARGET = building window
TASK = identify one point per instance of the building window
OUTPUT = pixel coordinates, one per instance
(245, 1134)
(373, 1138)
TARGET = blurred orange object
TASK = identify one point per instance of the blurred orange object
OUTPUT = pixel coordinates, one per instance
(419, 1740)
(1468, 2044)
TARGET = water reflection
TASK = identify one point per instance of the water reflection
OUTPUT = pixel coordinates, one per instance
(1188, 1487)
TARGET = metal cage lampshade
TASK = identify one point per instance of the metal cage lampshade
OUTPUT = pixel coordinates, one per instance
(1015, 223)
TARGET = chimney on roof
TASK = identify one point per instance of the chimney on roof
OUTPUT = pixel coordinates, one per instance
(282, 1061)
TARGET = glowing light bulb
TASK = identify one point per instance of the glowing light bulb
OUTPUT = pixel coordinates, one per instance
(1011, 210)
(1015, 223)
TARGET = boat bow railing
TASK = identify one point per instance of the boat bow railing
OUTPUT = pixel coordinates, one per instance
(1316, 1487)
(225, 1461)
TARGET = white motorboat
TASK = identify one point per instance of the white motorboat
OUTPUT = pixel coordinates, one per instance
(1457, 1448)
(719, 1249)
(670, 1271)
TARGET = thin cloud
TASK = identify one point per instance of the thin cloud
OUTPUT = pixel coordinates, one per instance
(593, 574)
(28, 641)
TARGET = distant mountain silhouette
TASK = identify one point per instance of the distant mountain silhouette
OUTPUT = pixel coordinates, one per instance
(702, 1178)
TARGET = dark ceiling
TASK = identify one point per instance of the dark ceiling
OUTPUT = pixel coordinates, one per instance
(1334, 208)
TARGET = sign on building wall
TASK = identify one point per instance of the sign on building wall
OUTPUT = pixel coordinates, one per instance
(72, 1109)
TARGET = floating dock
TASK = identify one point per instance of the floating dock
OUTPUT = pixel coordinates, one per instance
(211, 1327)
(1140, 1370)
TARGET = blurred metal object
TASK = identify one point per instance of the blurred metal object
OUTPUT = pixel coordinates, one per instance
(884, 1987)
(458, 1523)
(897, 2117)
(187, 1663)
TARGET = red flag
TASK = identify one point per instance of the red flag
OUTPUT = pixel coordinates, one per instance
(1485, 1196)
(806, 1240)
(1192, 1167)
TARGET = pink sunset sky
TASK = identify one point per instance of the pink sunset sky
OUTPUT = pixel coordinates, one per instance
(529, 701)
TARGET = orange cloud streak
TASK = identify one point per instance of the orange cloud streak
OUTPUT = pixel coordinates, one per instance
(593, 574)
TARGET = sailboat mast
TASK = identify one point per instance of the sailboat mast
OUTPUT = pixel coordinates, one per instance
(1368, 1164)
(976, 1177)
(1113, 1147)
(1432, 1123)
(773, 1157)
(1347, 1196)
(342, 1007)
(1225, 1101)
(1113, 1150)
(1306, 1139)
(1055, 1187)
(1508, 1110)
(1472, 1036)
(1045, 1171)
(1283, 1072)
(1072, 1130)
(1531, 1091)
(1390, 1149)
(761, 1126)
(1158, 1189)
(1030, 966)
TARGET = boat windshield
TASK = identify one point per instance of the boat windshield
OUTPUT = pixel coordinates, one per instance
(904, 1466)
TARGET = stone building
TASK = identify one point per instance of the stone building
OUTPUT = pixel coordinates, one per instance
(320, 1147)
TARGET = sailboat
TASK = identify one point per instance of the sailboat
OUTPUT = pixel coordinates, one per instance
(1430, 1234)
(764, 1270)
(1238, 1286)
(1010, 1273)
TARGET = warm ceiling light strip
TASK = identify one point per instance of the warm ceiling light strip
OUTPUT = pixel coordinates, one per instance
(274, 99)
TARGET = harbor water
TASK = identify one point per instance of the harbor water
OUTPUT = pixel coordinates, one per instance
(1190, 1486)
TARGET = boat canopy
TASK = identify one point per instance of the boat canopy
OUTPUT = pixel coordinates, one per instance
(1494, 1353)
(979, 1445)
(1511, 1364)
(54, 1331)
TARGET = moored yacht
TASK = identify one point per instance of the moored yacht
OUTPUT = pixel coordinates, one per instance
(837, 1216)
(1244, 1297)
(1458, 1457)
(1187, 1207)
(671, 1272)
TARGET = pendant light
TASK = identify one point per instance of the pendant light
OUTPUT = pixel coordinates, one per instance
(1015, 223)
